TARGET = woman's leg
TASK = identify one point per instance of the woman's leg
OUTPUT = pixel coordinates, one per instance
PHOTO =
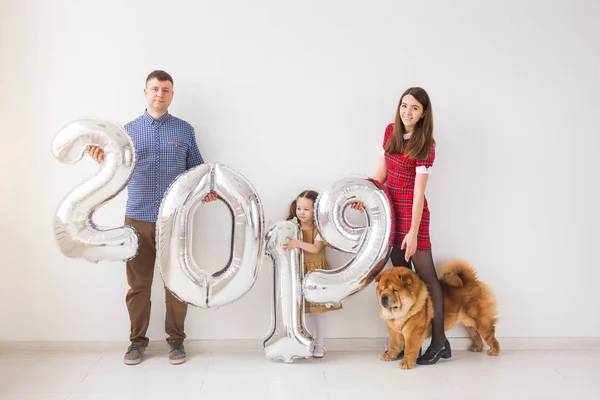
(397, 257)
(439, 347)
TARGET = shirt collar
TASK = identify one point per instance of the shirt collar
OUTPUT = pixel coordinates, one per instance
(150, 119)
(407, 136)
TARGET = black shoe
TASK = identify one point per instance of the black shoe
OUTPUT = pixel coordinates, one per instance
(432, 356)
(400, 355)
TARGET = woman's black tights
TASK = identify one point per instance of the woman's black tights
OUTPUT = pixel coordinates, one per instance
(424, 267)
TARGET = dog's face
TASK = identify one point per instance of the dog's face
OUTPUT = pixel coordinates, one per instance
(396, 291)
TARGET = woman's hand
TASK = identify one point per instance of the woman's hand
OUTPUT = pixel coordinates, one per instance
(357, 205)
(409, 244)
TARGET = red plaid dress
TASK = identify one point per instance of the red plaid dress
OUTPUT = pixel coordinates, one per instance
(400, 183)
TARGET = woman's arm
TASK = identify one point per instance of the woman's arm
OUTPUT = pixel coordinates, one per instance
(381, 173)
(410, 240)
(418, 201)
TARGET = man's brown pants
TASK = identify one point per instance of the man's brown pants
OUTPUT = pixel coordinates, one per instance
(140, 272)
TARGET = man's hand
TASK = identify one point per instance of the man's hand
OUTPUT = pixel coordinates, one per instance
(96, 153)
(211, 196)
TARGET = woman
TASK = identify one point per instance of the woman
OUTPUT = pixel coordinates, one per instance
(408, 154)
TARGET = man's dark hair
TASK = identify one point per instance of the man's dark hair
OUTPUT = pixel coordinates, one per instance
(161, 75)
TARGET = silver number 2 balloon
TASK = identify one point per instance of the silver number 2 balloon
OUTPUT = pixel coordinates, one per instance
(174, 228)
(75, 232)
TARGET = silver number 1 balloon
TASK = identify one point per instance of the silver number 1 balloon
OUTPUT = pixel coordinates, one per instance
(288, 338)
(75, 232)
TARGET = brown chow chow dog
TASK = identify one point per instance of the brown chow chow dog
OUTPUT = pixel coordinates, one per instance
(405, 305)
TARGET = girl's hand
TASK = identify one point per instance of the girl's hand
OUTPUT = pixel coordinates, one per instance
(292, 244)
(410, 244)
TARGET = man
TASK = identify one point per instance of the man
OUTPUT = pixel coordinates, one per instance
(165, 146)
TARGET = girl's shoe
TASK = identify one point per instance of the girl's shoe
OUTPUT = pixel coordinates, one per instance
(319, 351)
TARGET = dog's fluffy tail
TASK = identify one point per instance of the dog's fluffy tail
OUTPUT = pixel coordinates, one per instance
(457, 273)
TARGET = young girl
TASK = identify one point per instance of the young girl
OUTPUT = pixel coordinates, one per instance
(408, 153)
(314, 258)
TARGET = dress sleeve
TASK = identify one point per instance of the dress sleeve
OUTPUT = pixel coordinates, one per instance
(386, 137)
(424, 166)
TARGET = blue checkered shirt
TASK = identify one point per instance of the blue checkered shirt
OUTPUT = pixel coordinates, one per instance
(164, 148)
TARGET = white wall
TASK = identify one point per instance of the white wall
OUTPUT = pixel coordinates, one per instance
(309, 86)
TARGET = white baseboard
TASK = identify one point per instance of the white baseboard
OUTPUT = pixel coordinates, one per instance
(333, 344)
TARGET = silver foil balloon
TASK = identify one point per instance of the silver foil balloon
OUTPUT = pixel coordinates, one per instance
(76, 234)
(174, 228)
(288, 338)
(369, 244)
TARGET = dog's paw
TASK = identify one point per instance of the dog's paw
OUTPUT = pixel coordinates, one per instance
(493, 352)
(405, 364)
(389, 356)
(476, 348)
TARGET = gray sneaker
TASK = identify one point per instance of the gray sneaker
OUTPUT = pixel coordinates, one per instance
(134, 354)
(176, 352)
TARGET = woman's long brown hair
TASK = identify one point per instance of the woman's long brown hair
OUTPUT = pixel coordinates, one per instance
(419, 144)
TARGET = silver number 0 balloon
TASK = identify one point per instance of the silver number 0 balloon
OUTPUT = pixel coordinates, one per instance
(174, 228)
(77, 236)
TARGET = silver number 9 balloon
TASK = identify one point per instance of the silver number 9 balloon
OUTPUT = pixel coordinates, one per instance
(75, 232)
(174, 228)
(370, 245)
(288, 338)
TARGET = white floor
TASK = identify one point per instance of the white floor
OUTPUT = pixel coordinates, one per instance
(90, 373)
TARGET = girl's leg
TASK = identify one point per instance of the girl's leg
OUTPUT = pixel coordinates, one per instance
(316, 326)
(320, 339)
